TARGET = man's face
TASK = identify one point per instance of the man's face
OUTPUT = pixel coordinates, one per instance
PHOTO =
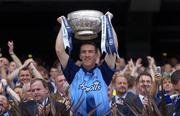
(177, 87)
(60, 82)
(3, 103)
(121, 85)
(27, 92)
(53, 72)
(167, 85)
(4, 61)
(38, 90)
(88, 56)
(12, 66)
(168, 68)
(144, 84)
(44, 75)
(25, 76)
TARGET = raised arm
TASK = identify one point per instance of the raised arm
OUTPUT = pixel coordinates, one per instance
(152, 66)
(59, 47)
(34, 71)
(135, 67)
(15, 73)
(9, 91)
(13, 55)
(3, 70)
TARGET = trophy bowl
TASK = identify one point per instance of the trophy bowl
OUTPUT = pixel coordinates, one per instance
(86, 24)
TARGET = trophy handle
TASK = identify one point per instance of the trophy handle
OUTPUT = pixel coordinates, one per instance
(109, 14)
(59, 19)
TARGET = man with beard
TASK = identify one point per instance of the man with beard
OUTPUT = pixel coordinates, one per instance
(122, 97)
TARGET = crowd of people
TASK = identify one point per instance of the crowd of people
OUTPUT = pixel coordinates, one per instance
(95, 85)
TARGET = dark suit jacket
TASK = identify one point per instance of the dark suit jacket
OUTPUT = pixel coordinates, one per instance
(125, 108)
(138, 106)
(177, 106)
(30, 108)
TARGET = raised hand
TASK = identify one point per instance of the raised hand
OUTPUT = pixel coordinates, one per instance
(28, 62)
(59, 19)
(151, 61)
(11, 46)
(152, 66)
(131, 64)
(138, 63)
(4, 82)
(109, 14)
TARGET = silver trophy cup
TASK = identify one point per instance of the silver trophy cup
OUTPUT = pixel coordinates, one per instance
(86, 24)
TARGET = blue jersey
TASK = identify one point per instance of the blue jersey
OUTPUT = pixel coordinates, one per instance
(88, 89)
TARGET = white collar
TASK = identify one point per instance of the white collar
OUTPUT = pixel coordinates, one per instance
(45, 101)
(141, 97)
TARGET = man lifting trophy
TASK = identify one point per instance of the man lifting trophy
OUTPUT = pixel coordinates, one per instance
(89, 81)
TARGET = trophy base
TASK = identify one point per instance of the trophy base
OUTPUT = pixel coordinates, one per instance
(85, 35)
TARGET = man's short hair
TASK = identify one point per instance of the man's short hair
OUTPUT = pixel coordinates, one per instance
(89, 43)
(18, 86)
(141, 74)
(24, 69)
(39, 79)
(131, 81)
(117, 75)
(175, 77)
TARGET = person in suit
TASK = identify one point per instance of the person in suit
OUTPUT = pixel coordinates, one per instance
(122, 97)
(45, 105)
(62, 93)
(145, 103)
